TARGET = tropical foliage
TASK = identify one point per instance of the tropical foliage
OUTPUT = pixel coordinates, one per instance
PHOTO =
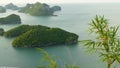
(52, 62)
(106, 42)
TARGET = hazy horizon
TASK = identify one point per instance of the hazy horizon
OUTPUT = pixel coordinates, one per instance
(57, 1)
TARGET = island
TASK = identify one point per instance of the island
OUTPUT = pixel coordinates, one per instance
(11, 19)
(56, 8)
(11, 6)
(40, 36)
(2, 9)
(1, 31)
(39, 9)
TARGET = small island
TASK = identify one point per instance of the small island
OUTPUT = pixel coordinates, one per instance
(11, 19)
(39, 9)
(39, 36)
(2, 9)
(11, 6)
(56, 8)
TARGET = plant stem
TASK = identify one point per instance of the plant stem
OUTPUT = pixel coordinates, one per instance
(109, 65)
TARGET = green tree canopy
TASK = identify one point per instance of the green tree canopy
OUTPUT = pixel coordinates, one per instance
(11, 19)
(37, 36)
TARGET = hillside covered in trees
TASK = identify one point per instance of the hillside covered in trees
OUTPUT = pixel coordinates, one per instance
(37, 36)
(39, 9)
(11, 6)
(11, 19)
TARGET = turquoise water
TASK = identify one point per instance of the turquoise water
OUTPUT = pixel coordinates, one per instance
(73, 18)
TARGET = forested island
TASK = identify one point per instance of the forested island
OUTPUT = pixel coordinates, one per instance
(11, 6)
(11, 19)
(39, 9)
(37, 36)
(2, 9)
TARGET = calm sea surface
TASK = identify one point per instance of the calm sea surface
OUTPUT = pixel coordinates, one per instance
(73, 18)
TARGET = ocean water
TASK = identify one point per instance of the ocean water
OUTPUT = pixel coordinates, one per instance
(73, 18)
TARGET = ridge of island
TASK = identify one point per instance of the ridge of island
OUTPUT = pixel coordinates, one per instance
(11, 19)
(40, 36)
(39, 9)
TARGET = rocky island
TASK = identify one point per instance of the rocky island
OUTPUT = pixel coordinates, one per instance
(2, 9)
(38, 36)
(56, 8)
(11, 19)
(11, 6)
(39, 9)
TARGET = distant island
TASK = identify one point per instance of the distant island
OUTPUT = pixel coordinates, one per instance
(11, 19)
(11, 6)
(39, 9)
(56, 8)
(2, 9)
(37, 36)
